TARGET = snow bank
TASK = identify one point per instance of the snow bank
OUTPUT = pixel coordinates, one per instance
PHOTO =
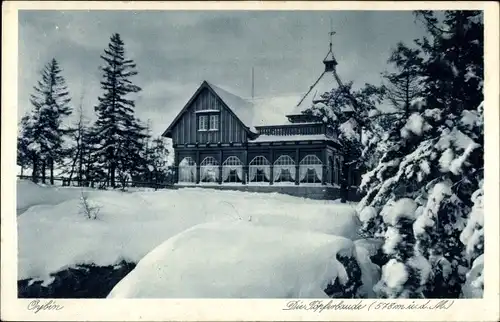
(31, 194)
(130, 224)
(238, 260)
(338, 220)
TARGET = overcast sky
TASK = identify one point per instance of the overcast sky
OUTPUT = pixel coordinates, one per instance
(175, 51)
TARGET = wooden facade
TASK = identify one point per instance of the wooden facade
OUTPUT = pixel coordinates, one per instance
(206, 103)
(230, 151)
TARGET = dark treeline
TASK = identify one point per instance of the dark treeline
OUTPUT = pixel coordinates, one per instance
(115, 149)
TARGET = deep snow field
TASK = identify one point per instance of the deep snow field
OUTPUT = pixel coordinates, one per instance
(194, 242)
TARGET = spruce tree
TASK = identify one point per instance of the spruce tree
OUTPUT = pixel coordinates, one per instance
(435, 159)
(42, 130)
(405, 84)
(117, 133)
(24, 155)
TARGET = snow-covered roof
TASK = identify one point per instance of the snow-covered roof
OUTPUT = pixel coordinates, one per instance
(273, 110)
(285, 138)
(258, 111)
(241, 107)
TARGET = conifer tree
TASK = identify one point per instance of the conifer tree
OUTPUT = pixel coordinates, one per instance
(405, 84)
(117, 133)
(24, 155)
(42, 130)
(435, 159)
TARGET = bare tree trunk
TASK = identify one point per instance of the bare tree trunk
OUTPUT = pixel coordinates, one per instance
(44, 164)
(112, 174)
(80, 167)
(88, 178)
(407, 100)
(51, 171)
(35, 170)
(73, 165)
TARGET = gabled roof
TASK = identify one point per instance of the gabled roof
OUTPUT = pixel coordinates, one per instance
(250, 112)
(240, 108)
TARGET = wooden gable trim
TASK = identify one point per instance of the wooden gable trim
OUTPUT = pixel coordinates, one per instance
(193, 97)
(204, 85)
(247, 129)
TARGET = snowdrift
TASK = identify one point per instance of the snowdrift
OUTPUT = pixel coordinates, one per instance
(31, 194)
(240, 260)
(55, 235)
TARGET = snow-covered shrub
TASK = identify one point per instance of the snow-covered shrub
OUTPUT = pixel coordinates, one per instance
(87, 207)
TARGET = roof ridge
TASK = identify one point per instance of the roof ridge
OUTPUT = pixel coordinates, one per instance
(225, 90)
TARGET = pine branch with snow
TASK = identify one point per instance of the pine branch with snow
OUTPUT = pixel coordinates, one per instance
(433, 157)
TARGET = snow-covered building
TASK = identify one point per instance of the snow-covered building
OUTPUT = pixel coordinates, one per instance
(222, 139)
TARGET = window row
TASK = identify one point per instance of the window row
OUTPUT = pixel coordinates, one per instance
(208, 122)
(259, 170)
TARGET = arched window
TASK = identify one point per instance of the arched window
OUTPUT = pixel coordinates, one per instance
(310, 169)
(232, 170)
(209, 170)
(187, 170)
(284, 169)
(259, 170)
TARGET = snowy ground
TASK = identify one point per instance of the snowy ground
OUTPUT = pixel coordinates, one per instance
(216, 243)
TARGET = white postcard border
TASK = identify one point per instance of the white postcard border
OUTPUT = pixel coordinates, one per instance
(228, 310)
